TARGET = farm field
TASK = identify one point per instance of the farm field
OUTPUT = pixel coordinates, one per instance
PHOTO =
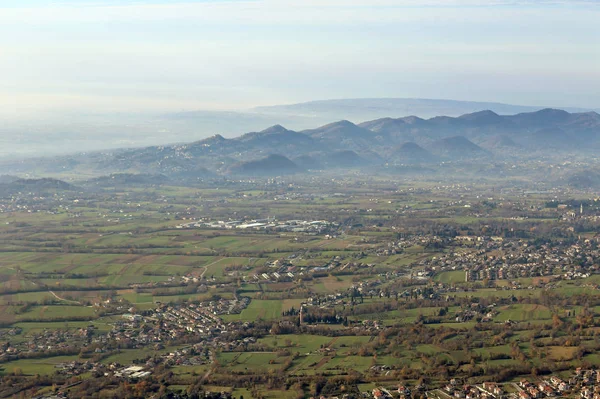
(383, 293)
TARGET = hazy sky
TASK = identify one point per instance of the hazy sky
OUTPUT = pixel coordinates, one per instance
(174, 55)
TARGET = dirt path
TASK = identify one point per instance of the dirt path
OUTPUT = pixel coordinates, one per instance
(63, 299)
(321, 245)
(207, 266)
(322, 362)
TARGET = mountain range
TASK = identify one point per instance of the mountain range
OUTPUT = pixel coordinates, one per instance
(64, 133)
(375, 108)
(483, 135)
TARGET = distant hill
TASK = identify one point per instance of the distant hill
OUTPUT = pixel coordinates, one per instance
(341, 133)
(551, 137)
(37, 186)
(308, 162)
(212, 142)
(586, 179)
(277, 138)
(275, 131)
(391, 125)
(457, 147)
(127, 180)
(8, 178)
(499, 143)
(542, 118)
(195, 173)
(272, 165)
(339, 130)
(371, 108)
(399, 129)
(410, 153)
(583, 120)
(486, 119)
(343, 159)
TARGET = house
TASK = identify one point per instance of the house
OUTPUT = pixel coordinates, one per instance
(563, 386)
(555, 380)
(548, 391)
(472, 395)
(493, 388)
(524, 395)
(489, 386)
(534, 392)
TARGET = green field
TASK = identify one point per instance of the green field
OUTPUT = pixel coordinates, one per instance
(258, 309)
(88, 258)
(457, 276)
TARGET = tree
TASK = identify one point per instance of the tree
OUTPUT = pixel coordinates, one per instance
(556, 321)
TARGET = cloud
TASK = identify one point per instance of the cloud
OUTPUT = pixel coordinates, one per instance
(248, 11)
(149, 54)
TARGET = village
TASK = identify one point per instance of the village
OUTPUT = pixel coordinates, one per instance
(584, 384)
(161, 326)
(495, 259)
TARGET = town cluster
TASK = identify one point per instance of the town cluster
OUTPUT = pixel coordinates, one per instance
(495, 259)
(158, 327)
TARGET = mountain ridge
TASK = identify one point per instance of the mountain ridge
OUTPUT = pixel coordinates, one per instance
(370, 143)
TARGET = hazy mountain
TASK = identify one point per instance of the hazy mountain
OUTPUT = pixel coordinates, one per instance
(45, 186)
(343, 144)
(586, 179)
(410, 153)
(277, 138)
(344, 159)
(194, 173)
(487, 118)
(541, 118)
(498, 143)
(457, 147)
(308, 162)
(391, 125)
(123, 180)
(341, 130)
(525, 128)
(372, 108)
(342, 134)
(272, 165)
(91, 131)
(551, 137)
(399, 129)
(212, 142)
(583, 120)
(8, 178)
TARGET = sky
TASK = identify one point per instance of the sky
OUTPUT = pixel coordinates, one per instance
(153, 56)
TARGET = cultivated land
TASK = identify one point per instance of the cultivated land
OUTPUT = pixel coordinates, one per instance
(298, 287)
